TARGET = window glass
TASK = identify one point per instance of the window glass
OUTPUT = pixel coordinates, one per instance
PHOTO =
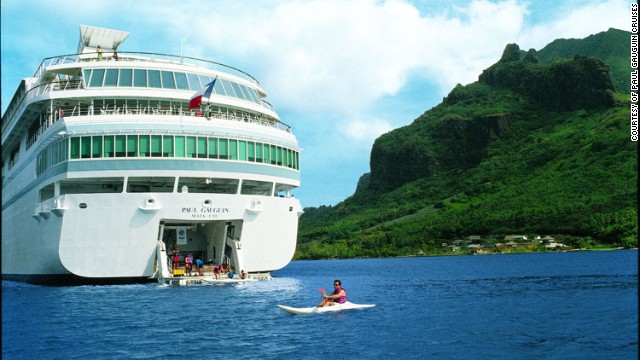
(223, 150)
(109, 148)
(191, 147)
(167, 147)
(254, 95)
(140, 78)
(125, 77)
(238, 91)
(111, 78)
(96, 147)
(251, 151)
(179, 140)
(217, 87)
(181, 81)
(242, 150)
(194, 82)
(274, 154)
(167, 80)
(86, 77)
(202, 147)
(204, 80)
(75, 148)
(132, 145)
(252, 187)
(121, 145)
(209, 185)
(154, 78)
(259, 152)
(233, 149)
(85, 147)
(213, 148)
(156, 145)
(145, 145)
(150, 184)
(97, 77)
(267, 153)
(228, 88)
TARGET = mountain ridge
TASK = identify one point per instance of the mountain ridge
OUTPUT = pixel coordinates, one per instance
(507, 153)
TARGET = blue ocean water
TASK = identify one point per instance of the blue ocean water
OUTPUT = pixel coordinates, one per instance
(573, 305)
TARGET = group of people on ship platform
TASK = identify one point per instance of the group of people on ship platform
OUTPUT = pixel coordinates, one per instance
(218, 270)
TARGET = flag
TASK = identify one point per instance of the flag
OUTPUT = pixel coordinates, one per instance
(205, 92)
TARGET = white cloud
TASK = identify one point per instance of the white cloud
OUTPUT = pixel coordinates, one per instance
(366, 130)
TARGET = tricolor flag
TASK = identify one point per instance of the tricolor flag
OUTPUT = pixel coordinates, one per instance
(196, 100)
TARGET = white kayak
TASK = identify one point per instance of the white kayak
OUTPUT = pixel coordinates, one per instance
(319, 310)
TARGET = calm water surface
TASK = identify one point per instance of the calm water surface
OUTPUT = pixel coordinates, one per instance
(575, 305)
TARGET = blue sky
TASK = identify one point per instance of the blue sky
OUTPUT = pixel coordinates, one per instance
(340, 72)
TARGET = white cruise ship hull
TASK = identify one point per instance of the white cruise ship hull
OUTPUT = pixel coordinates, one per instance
(114, 164)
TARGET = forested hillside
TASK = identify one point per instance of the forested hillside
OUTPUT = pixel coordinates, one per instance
(538, 145)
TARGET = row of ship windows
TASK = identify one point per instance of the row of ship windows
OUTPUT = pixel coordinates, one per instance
(165, 146)
(162, 184)
(166, 80)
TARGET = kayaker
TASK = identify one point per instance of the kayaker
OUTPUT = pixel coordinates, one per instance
(338, 296)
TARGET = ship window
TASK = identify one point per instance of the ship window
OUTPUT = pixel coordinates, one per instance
(156, 145)
(251, 151)
(274, 154)
(167, 146)
(267, 153)
(85, 147)
(167, 80)
(181, 81)
(160, 184)
(96, 78)
(213, 148)
(202, 147)
(194, 82)
(280, 156)
(125, 77)
(145, 148)
(140, 78)
(91, 185)
(47, 192)
(86, 77)
(252, 187)
(75, 148)
(179, 146)
(282, 190)
(132, 145)
(254, 95)
(238, 91)
(96, 147)
(204, 80)
(259, 152)
(233, 149)
(218, 88)
(209, 185)
(191, 147)
(242, 150)
(111, 78)
(154, 78)
(228, 88)
(109, 146)
(121, 143)
(223, 149)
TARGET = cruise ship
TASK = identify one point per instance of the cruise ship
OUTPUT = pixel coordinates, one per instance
(113, 160)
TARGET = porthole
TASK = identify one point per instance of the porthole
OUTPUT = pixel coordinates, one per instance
(83, 205)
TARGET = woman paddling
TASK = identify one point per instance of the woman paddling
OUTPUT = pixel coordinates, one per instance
(338, 296)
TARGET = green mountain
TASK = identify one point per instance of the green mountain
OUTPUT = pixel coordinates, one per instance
(539, 145)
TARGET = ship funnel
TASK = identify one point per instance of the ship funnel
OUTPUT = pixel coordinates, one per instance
(91, 37)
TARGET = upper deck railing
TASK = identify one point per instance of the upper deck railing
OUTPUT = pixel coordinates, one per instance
(145, 57)
(58, 85)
